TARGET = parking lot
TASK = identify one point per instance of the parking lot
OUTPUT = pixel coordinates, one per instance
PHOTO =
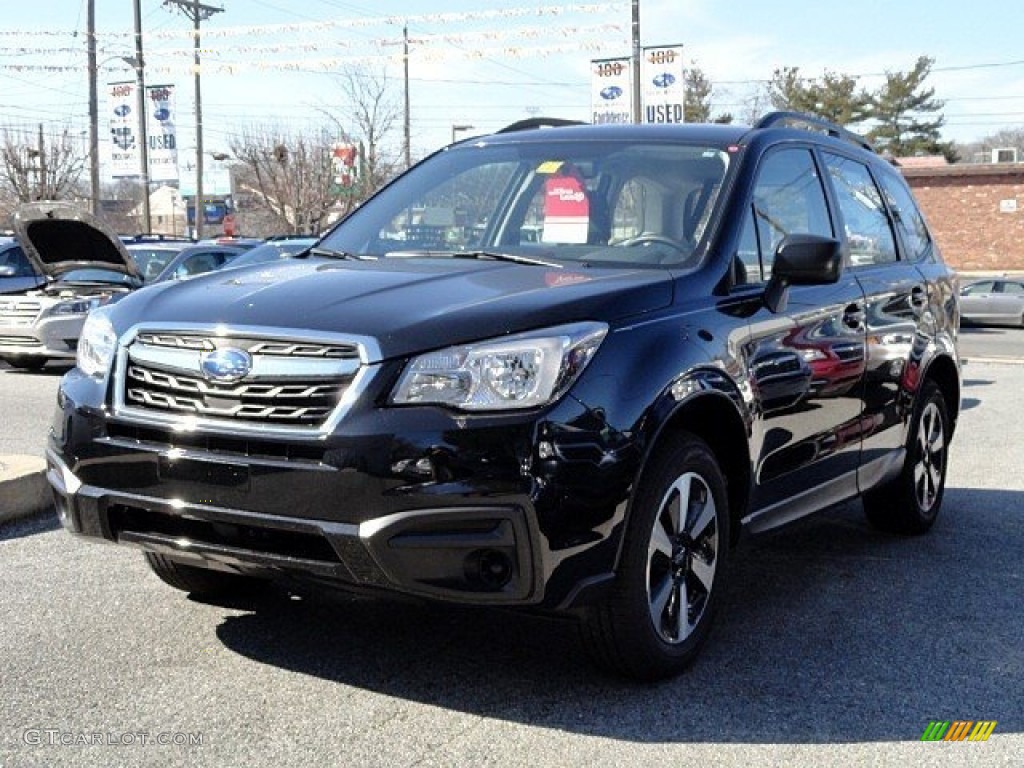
(837, 645)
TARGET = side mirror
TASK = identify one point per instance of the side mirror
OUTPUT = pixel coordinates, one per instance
(8, 270)
(802, 260)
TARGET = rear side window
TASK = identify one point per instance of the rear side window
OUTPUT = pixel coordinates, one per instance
(1015, 288)
(868, 234)
(788, 199)
(908, 219)
(976, 288)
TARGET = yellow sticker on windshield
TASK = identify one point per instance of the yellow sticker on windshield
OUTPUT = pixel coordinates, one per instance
(550, 166)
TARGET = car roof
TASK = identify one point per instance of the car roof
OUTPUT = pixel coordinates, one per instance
(690, 132)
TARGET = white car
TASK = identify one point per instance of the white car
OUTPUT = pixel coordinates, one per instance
(85, 266)
(995, 301)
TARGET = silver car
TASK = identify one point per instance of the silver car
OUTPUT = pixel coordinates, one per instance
(996, 301)
(85, 265)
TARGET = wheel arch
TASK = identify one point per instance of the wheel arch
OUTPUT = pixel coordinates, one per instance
(944, 372)
(714, 412)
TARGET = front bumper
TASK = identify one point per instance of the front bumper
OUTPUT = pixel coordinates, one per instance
(477, 554)
(522, 511)
(52, 338)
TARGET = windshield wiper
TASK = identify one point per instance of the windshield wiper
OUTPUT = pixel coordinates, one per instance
(499, 256)
(330, 253)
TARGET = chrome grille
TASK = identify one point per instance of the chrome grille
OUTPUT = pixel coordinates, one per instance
(20, 341)
(19, 312)
(292, 384)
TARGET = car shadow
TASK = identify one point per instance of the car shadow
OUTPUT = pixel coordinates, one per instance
(829, 632)
(29, 526)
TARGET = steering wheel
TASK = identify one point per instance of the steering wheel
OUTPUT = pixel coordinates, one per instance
(651, 238)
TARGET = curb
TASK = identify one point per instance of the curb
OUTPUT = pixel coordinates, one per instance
(23, 487)
(992, 360)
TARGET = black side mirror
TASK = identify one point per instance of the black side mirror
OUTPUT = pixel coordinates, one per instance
(802, 260)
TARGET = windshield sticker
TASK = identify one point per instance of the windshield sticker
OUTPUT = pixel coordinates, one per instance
(566, 208)
(550, 166)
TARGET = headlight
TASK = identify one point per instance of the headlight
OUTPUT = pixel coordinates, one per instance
(97, 343)
(77, 307)
(522, 371)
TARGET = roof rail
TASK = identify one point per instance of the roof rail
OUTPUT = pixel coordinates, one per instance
(813, 123)
(538, 122)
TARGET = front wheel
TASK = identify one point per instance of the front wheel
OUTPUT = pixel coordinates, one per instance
(909, 503)
(659, 613)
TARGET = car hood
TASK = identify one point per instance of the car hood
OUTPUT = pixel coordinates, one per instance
(405, 305)
(58, 237)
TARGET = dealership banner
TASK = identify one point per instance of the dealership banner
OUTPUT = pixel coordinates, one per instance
(163, 141)
(124, 130)
(662, 85)
(611, 94)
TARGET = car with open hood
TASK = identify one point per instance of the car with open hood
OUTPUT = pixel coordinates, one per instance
(559, 368)
(83, 265)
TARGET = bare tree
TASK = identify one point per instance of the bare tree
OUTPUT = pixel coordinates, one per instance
(38, 167)
(372, 112)
(291, 174)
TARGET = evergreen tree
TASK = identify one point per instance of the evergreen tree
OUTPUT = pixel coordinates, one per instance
(908, 115)
(834, 97)
(697, 102)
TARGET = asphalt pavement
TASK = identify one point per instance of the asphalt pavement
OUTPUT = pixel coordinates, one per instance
(837, 645)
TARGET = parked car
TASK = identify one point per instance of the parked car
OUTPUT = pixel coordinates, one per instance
(272, 250)
(704, 332)
(197, 259)
(153, 258)
(997, 301)
(16, 272)
(83, 265)
(244, 243)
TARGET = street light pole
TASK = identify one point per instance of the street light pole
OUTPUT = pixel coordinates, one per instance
(457, 128)
(140, 101)
(197, 11)
(94, 111)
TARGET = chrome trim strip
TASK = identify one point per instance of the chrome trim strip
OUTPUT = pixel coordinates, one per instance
(188, 360)
(369, 355)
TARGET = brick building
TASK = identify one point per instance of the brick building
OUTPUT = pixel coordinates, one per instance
(975, 211)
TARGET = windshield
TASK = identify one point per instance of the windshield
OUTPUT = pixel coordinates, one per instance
(152, 261)
(639, 203)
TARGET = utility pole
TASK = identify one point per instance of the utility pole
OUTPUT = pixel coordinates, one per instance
(637, 117)
(94, 112)
(405, 72)
(140, 101)
(43, 191)
(198, 12)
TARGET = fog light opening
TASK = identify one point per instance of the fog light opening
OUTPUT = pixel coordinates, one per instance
(488, 568)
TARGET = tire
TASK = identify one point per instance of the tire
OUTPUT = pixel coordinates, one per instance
(667, 558)
(26, 363)
(910, 502)
(199, 581)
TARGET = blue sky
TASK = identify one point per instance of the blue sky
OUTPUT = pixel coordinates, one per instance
(504, 68)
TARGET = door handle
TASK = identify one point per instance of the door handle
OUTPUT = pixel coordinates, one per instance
(918, 297)
(854, 317)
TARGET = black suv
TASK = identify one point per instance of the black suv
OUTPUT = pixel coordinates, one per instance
(556, 367)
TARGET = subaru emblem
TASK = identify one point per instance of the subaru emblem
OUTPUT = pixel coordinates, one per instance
(226, 365)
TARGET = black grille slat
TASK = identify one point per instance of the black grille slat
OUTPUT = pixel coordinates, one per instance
(297, 384)
(163, 439)
(305, 403)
